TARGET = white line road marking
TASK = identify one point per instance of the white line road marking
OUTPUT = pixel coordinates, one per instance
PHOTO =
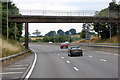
(103, 60)
(90, 56)
(116, 54)
(33, 65)
(103, 52)
(16, 68)
(76, 69)
(19, 65)
(68, 62)
(62, 57)
(58, 54)
(12, 73)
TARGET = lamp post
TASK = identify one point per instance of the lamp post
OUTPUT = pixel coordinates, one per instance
(7, 19)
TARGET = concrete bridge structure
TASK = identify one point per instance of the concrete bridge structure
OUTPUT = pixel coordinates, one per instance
(58, 19)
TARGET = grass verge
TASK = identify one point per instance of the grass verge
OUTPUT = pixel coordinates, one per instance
(11, 47)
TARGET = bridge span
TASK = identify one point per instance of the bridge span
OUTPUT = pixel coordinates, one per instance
(58, 17)
(62, 19)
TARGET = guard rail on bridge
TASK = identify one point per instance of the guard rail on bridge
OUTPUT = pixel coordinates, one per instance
(62, 13)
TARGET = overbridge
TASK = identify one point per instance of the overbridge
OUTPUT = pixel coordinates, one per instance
(62, 19)
(59, 19)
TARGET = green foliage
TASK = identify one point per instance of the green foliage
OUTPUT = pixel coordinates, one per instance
(61, 38)
(11, 26)
(37, 33)
(103, 29)
(51, 33)
(60, 32)
(67, 33)
(73, 31)
(83, 34)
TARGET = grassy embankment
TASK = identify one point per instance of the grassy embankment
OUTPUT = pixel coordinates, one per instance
(99, 40)
(11, 47)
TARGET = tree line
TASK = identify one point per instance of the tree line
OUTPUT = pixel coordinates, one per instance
(59, 36)
(11, 26)
(104, 30)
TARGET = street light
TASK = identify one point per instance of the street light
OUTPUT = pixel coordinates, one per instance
(7, 19)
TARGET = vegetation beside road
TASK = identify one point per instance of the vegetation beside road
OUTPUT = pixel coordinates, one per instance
(11, 47)
(95, 39)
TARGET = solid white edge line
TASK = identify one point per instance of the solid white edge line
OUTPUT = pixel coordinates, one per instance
(76, 69)
(33, 65)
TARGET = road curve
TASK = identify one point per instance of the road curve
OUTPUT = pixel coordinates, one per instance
(53, 62)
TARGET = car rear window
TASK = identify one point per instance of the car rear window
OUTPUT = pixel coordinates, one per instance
(75, 48)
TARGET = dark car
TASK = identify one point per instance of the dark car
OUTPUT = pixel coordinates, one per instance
(63, 45)
(75, 50)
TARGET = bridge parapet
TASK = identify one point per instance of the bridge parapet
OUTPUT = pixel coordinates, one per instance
(62, 13)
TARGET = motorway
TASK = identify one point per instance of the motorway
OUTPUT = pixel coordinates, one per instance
(53, 62)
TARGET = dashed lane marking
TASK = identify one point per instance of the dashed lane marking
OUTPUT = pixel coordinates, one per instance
(58, 54)
(103, 60)
(62, 57)
(68, 62)
(90, 56)
(75, 68)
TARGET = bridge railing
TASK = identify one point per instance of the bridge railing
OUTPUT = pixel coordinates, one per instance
(62, 13)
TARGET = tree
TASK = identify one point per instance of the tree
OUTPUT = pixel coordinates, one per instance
(62, 38)
(97, 28)
(11, 27)
(73, 31)
(67, 33)
(37, 33)
(51, 33)
(103, 29)
(46, 39)
(86, 30)
(60, 32)
(83, 33)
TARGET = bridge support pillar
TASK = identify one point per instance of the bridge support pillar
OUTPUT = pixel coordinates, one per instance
(26, 36)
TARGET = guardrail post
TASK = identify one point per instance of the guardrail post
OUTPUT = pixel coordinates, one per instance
(26, 35)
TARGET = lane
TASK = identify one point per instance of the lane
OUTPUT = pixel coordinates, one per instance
(53, 62)
(49, 65)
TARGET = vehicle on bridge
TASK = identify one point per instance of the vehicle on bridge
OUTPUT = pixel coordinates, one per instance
(75, 50)
(64, 45)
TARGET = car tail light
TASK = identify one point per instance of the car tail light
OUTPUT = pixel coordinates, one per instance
(80, 49)
(72, 50)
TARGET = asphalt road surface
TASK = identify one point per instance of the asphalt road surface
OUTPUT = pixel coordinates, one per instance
(53, 62)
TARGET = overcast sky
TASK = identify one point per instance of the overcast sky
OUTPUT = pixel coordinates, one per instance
(96, 5)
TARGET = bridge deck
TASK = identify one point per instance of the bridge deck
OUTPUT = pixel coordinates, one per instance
(62, 19)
